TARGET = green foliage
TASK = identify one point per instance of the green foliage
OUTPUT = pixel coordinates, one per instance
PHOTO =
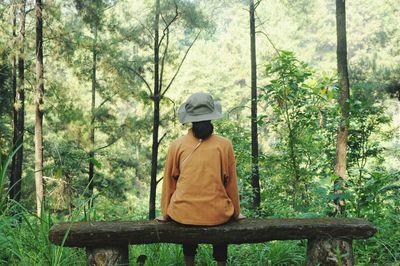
(367, 130)
(27, 243)
(23, 235)
(297, 123)
(5, 161)
(297, 100)
(24, 240)
(5, 102)
(93, 12)
(241, 141)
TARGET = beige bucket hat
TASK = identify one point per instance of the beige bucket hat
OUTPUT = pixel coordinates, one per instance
(200, 106)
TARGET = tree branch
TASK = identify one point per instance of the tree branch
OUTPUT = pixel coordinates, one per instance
(256, 4)
(163, 136)
(163, 60)
(159, 180)
(261, 22)
(167, 25)
(142, 78)
(107, 145)
(238, 107)
(269, 40)
(111, 142)
(106, 100)
(173, 103)
(180, 65)
(110, 6)
(144, 26)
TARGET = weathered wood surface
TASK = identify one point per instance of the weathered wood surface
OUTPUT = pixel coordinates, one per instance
(101, 234)
(330, 252)
(108, 256)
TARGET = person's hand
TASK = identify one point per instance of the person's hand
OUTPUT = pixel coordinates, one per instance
(240, 217)
(161, 219)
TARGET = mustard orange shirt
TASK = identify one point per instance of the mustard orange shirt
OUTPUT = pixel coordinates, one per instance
(200, 182)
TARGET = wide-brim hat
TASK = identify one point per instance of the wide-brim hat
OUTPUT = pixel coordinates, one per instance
(200, 106)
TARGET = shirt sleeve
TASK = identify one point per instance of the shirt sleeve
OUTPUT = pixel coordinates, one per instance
(231, 186)
(171, 173)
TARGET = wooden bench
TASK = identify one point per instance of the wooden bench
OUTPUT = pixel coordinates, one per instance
(107, 243)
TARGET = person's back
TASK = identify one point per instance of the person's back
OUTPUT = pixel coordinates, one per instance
(200, 183)
(205, 192)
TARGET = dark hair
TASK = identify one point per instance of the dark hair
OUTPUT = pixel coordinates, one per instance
(202, 129)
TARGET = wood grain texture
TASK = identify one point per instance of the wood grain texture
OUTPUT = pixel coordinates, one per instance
(102, 234)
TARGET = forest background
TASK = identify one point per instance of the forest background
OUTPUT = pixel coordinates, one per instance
(99, 150)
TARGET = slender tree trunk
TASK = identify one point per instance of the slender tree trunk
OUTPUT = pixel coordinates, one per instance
(92, 120)
(254, 134)
(293, 157)
(14, 110)
(19, 111)
(343, 130)
(39, 109)
(156, 119)
(13, 177)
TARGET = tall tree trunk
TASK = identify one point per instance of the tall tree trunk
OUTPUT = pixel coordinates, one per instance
(39, 110)
(19, 111)
(156, 119)
(92, 120)
(254, 134)
(343, 130)
(13, 177)
(15, 195)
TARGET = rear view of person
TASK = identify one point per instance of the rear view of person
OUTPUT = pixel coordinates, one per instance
(200, 182)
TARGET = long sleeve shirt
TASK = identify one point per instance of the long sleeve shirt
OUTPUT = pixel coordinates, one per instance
(200, 181)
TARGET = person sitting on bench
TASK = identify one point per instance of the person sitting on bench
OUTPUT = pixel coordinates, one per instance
(200, 181)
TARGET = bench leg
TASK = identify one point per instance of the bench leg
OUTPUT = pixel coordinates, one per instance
(109, 256)
(329, 252)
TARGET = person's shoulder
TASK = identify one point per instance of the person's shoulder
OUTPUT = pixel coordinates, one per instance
(177, 142)
(223, 140)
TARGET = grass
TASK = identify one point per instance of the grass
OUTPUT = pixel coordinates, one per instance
(273, 253)
(4, 164)
(24, 241)
(24, 235)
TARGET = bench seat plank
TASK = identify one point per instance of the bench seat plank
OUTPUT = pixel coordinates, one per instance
(100, 234)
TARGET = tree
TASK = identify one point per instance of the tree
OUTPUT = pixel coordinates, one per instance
(39, 109)
(169, 12)
(92, 112)
(297, 98)
(369, 121)
(343, 129)
(92, 13)
(156, 115)
(19, 110)
(254, 135)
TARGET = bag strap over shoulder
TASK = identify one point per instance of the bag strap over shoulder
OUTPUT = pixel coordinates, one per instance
(190, 154)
